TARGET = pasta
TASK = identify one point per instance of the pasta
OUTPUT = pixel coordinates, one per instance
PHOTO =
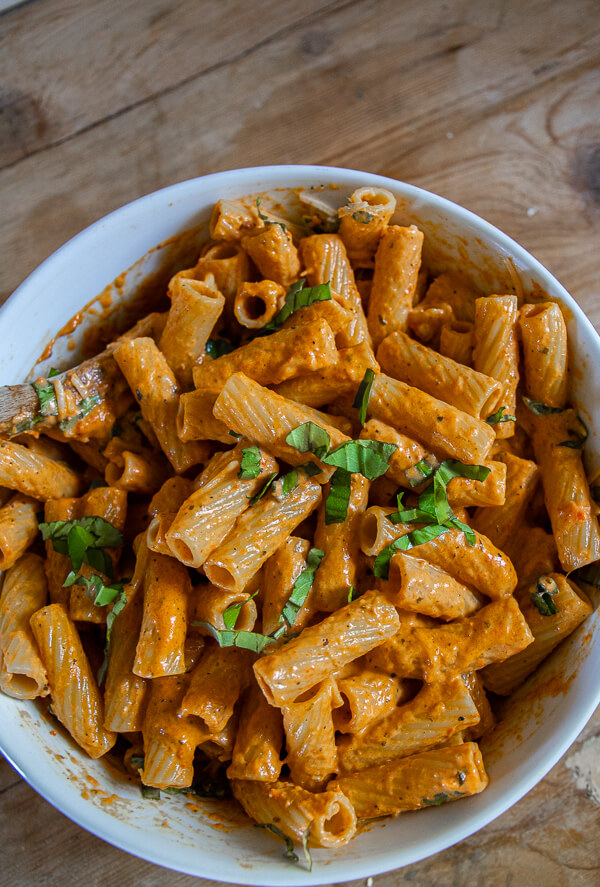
(280, 565)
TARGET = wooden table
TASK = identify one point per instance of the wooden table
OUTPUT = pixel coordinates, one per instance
(492, 103)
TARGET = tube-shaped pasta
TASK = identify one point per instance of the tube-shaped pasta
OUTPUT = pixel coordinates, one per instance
(427, 779)
(544, 338)
(457, 340)
(426, 322)
(338, 379)
(497, 351)
(34, 474)
(229, 265)
(156, 534)
(487, 721)
(273, 252)
(256, 304)
(341, 543)
(267, 418)
(195, 308)
(273, 359)
(215, 685)
(18, 528)
(170, 740)
(376, 531)
(454, 290)
(124, 691)
(338, 315)
(435, 653)
(157, 392)
(207, 516)
(58, 565)
(195, 420)
(76, 700)
(259, 738)
(171, 496)
(500, 522)
(466, 491)
(566, 491)
(403, 358)
(230, 220)
(440, 427)
(321, 650)
(257, 534)
(160, 647)
(310, 736)
(481, 566)
(279, 575)
(397, 264)
(293, 810)
(22, 673)
(367, 697)
(325, 260)
(436, 713)
(362, 222)
(417, 585)
(548, 631)
(136, 472)
(533, 553)
(210, 603)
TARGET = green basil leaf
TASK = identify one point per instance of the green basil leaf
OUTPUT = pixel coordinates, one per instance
(309, 438)
(289, 844)
(302, 586)
(230, 616)
(250, 464)
(216, 348)
(53, 372)
(441, 798)
(469, 533)
(541, 598)
(453, 468)
(289, 482)
(137, 761)
(361, 401)
(571, 444)
(417, 474)
(266, 219)
(261, 493)
(367, 457)
(336, 503)
(362, 216)
(352, 594)
(82, 539)
(150, 793)
(499, 416)
(25, 425)
(235, 434)
(381, 567)
(78, 542)
(117, 608)
(84, 406)
(247, 640)
(47, 398)
(298, 296)
(540, 409)
(100, 593)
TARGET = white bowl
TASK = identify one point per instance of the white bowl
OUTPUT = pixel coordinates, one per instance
(543, 719)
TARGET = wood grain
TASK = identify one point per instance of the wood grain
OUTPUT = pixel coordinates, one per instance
(492, 103)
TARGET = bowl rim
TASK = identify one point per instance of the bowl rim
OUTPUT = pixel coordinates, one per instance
(85, 814)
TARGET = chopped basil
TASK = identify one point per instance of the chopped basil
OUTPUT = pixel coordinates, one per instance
(266, 219)
(289, 844)
(117, 607)
(336, 503)
(441, 798)
(100, 593)
(298, 296)
(83, 540)
(150, 793)
(261, 493)
(216, 348)
(250, 464)
(53, 372)
(26, 425)
(571, 444)
(469, 533)
(302, 586)
(362, 216)
(361, 401)
(417, 474)
(307, 855)
(289, 482)
(84, 406)
(137, 761)
(545, 588)
(352, 594)
(381, 567)
(47, 399)
(235, 434)
(499, 416)
(309, 438)
(247, 640)
(230, 616)
(367, 457)
(540, 409)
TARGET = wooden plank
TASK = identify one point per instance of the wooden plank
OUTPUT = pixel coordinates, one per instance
(94, 60)
(343, 88)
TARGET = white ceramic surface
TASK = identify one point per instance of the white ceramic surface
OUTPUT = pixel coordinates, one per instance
(539, 725)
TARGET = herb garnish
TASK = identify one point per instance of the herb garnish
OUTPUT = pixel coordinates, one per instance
(266, 219)
(302, 586)
(247, 640)
(298, 296)
(540, 409)
(84, 406)
(216, 348)
(261, 493)
(361, 401)
(338, 498)
(545, 588)
(289, 844)
(230, 615)
(499, 416)
(83, 540)
(250, 464)
(47, 398)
